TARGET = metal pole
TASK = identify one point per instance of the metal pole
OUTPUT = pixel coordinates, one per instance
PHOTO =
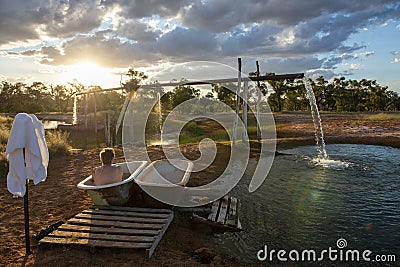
(26, 215)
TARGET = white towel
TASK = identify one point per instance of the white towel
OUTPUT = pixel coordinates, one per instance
(27, 132)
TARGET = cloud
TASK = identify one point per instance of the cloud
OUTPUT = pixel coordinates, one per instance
(365, 54)
(290, 37)
(315, 73)
(354, 66)
(140, 9)
(107, 52)
(137, 31)
(188, 44)
(223, 15)
(396, 60)
(30, 20)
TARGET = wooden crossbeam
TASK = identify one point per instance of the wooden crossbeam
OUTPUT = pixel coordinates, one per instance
(273, 77)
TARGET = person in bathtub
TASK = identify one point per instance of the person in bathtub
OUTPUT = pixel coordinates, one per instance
(107, 173)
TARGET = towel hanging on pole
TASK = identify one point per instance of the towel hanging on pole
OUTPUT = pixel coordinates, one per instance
(27, 133)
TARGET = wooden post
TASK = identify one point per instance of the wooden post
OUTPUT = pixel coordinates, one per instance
(258, 104)
(239, 82)
(105, 129)
(95, 113)
(85, 108)
(245, 96)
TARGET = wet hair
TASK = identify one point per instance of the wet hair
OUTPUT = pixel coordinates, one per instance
(107, 155)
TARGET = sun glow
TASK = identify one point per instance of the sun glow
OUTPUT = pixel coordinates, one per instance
(88, 73)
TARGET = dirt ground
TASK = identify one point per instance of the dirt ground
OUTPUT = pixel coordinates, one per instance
(58, 199)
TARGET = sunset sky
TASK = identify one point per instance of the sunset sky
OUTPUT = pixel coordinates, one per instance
(95, 41)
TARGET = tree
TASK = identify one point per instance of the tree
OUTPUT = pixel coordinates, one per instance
(225, 95)
(279, 87)
(135, 80)
(183, 93)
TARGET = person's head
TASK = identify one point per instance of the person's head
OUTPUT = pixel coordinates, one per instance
(107, 156)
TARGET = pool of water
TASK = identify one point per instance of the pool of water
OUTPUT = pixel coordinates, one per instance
(51, 124)
(304, 204)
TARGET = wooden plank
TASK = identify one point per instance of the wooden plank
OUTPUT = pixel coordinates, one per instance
(239, 225)
(150, 251)
(232, 214)
(135, 209)
(115, 224)
(214, 210)
(113, 230)
(127, 213)
(223, 211)
(127, 238)
(94, 243)
(233, 206)
(119, 218)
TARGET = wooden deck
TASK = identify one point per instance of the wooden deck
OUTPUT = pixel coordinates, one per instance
(224, 213)
(112, 226)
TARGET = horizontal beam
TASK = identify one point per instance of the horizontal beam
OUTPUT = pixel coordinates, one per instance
(273, 77)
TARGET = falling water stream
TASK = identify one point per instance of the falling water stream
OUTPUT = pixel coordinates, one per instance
(319, 133)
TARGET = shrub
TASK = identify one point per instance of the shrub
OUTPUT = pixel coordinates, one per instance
(3, 166)
(5, 127)
(57, 142)
(193, 129)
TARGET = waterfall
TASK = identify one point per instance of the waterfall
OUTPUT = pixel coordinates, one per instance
(319, 134)
(74, 112)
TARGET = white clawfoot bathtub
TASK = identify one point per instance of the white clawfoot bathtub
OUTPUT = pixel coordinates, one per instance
(117, 193)
(163, 173)
(164, 181)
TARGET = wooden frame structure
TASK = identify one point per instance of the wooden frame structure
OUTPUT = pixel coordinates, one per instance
(238, 80)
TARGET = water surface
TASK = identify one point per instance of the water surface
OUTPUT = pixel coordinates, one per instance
(302, 205)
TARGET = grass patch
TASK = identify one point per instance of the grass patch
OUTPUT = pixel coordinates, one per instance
(384, 117)
(88, 139)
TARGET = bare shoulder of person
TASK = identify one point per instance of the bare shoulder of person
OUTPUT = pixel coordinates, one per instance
(96, 169)
(120, 169)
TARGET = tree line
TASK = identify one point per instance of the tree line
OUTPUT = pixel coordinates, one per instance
(336, 95)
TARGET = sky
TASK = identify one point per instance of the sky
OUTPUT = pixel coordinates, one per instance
(94, 42)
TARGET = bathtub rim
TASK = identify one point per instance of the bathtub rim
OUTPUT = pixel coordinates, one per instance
(142, 166)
